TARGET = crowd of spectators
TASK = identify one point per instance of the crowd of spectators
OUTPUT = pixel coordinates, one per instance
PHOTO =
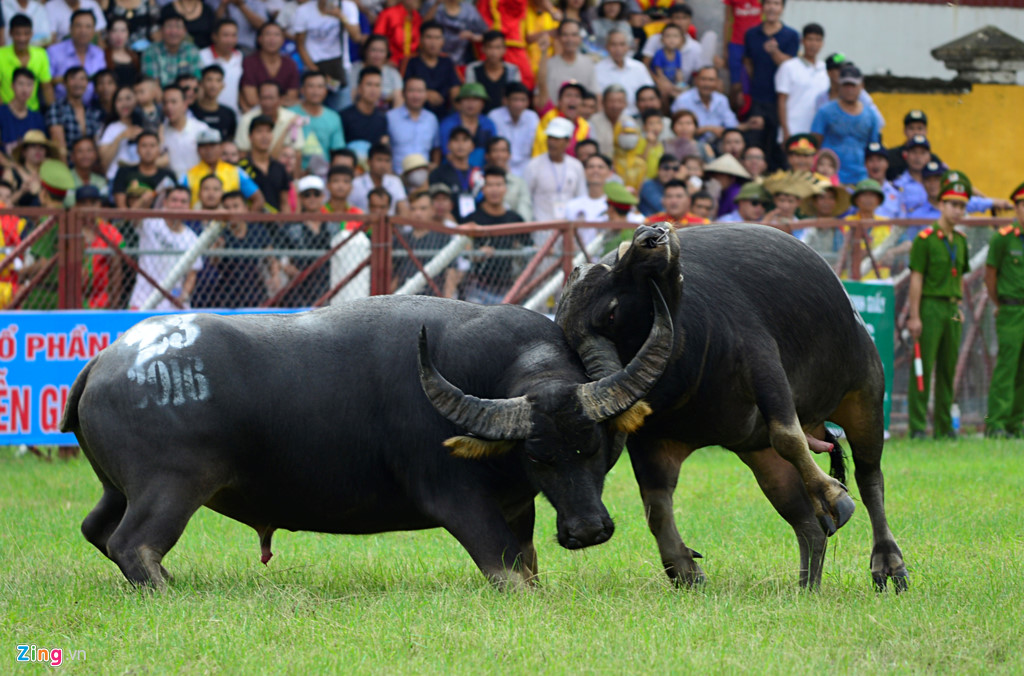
(449, 110)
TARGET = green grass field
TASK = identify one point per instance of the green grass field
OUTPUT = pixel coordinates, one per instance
(415, 603)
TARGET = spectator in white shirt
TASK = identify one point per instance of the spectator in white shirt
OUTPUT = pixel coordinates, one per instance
(798, 82)
(181, 132)
(171, 238)
(249, 15)
(287, 124)
(518, 124)
(592, 206)
(378, 175)
(223, 53)
(555, 177)
(42, 31)
(617, 68)
(322, 30)
(60, 11)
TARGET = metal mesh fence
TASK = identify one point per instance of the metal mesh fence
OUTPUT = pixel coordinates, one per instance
(107, 259)
(31, 266)
(230, 261)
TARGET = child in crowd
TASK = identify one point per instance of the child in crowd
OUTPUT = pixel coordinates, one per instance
(147, 92)
(694, 166)
(651, 147)
(827, 164)
(684, 128)
(667, 64)
(630, 165)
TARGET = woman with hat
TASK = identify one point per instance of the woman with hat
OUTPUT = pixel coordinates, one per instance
(787, 189)
(23, 172)
(867, 197)
(825, 202)
(725, 177)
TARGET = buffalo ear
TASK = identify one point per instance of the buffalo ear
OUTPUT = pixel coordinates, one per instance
(633, 418)
(475, 448)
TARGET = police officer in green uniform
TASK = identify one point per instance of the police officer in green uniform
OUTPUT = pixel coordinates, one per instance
(938, 263)
(1004, 280)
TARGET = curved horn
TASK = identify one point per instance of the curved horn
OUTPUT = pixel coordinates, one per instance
(614, 394)
(487, 418)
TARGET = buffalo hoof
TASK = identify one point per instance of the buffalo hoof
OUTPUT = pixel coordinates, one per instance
(827, 524)
(836, 514)
(900, 581)
(844, 509)
(688, 574)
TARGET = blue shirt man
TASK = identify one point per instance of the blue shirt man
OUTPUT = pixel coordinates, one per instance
(912, 193)
(845, 132)
(412, 128)
(712, 108)
(651, 193)
(762, 84)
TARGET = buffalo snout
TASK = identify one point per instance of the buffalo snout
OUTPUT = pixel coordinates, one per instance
(579, 533)
(651, 236)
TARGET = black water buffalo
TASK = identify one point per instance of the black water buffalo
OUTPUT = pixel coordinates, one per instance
(317, 421)
(767, 347)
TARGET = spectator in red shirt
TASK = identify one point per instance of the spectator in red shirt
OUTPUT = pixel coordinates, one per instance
(676, 202)
(267, 63)
(401, 26)
(101, 272)
(740, 16)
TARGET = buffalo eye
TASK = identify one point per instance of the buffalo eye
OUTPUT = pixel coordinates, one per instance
(536, 459)
(612, 306)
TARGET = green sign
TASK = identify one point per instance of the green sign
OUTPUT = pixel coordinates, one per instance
(875, 302)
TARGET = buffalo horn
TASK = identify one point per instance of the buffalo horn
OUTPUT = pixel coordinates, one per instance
(487, 418)
(615, 393)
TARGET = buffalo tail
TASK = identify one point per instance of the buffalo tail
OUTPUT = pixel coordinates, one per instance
(837, 458)
(69, 421)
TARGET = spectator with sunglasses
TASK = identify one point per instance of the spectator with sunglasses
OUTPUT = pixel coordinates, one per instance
(653, 189)
(751, 204)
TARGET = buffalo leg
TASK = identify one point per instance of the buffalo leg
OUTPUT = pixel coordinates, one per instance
(479, 526)
(832, 505)
(101, 522)
(656, 466)
(151, 525)
(861, 417)
(783, 487)
(522, 526)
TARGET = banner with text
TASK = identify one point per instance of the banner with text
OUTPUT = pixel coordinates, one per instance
(41, 353)
(875, 302)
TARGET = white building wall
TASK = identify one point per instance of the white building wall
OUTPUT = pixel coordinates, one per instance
(883, 37)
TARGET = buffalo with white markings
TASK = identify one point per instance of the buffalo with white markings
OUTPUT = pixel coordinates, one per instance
(340, 421)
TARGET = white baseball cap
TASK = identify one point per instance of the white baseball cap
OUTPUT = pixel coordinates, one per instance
(310, 183)
(560, 127)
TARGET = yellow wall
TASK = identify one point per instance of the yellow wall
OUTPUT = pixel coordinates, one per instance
(979, 133)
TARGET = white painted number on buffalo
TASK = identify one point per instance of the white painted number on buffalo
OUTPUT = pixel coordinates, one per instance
(176, 379)
(155, 337)
(172, 381)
